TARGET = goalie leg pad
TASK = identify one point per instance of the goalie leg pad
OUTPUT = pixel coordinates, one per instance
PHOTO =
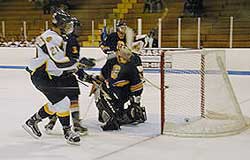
(107, 116)
(137, 113)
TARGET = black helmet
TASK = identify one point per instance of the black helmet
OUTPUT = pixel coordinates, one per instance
(75, 21)
(121, 26)
(121, 23)
(76, 26)
(60, 18)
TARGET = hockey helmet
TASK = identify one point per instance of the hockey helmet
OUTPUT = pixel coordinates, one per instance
(60, 17)
(77, 26)
(124, 54)
(121, 26)
(75, 21)
(62, 20)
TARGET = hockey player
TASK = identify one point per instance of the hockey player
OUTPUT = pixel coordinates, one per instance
(121, 85)
(73, 91)
(48, 71)
(110, 44)
(135, 59)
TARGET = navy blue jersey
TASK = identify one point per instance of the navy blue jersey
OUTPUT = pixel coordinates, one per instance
(73, 52)
(124, 79)
(72, 47)
(136, 59)
(112, 41)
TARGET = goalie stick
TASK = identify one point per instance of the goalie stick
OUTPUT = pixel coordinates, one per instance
(152, 84)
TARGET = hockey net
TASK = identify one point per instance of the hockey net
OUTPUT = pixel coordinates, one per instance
(197, 99)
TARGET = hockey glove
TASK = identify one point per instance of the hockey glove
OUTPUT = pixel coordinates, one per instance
(86, 62)
(82, 75)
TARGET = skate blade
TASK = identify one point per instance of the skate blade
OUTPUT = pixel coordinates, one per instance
(83, 133)
(51, 132)
(27, 129)
(74, 143)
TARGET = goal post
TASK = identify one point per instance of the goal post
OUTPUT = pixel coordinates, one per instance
(199, 100)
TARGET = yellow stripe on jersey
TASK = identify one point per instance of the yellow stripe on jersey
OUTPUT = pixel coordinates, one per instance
(46, 69)
(74, 106)
(121, 83)
(46, 109)
(136, 87)
(38, 67)
(62, 114)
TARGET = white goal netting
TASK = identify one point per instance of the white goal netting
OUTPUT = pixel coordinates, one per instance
(197, 97)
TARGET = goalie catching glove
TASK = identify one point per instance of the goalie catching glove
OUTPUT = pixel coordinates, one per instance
(86, 63)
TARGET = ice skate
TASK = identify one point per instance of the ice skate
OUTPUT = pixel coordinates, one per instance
(71, 136)
(49, 127)
(78, 128)
(31, 127)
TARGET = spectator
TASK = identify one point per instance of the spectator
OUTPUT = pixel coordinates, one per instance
(13, 43)
(23, 43)
(193, 7)
(198, 8)
(47, 7)
(3, 43)
(157, 5)
(104, 34)
(148, 6)
(151, 39)
(33, 42)
(188, 7)
(65, 4)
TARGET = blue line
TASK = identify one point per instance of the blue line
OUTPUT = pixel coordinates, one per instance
(246, 73)
(12, 67)
(153, 70)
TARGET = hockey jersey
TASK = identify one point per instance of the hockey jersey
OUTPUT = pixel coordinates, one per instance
(51, 54)
(123, 79)
(112, 41)
(72, 47)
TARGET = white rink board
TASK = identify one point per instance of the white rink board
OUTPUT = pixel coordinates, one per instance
(236, 59)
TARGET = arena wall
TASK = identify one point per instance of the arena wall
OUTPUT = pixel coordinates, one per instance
(237, 60)
(237, 63)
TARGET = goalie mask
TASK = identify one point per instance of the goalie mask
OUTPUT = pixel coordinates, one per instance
(124, 54)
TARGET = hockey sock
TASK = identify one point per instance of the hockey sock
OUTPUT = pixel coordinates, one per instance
(64, 118)
(52, 116)
(74, 108)
(44, 112)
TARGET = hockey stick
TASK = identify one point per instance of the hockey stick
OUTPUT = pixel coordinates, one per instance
(88, 108)
(82, 82)
(152, 84)
(90, 103)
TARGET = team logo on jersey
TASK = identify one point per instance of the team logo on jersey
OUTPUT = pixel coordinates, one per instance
(48, 39)
(74, 50)
(115, 71)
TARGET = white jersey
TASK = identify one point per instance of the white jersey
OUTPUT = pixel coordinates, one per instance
(51, 53)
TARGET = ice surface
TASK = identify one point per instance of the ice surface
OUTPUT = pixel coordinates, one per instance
(19, 100)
